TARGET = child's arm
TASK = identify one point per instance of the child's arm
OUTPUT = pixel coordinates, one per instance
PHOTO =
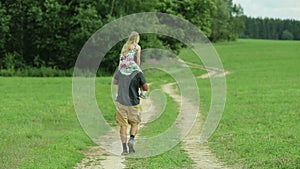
(115, 82)
(138, 55)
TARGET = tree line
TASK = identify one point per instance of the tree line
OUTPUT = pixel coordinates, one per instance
(49, 34)
(270, 28)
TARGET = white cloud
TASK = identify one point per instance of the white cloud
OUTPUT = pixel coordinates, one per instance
(288, 9)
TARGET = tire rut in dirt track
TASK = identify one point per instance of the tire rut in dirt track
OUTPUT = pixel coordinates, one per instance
(97, 158)
(199, 152)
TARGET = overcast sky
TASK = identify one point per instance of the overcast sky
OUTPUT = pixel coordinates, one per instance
(284, 9)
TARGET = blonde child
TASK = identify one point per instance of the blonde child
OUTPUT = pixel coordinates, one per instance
(130, 57)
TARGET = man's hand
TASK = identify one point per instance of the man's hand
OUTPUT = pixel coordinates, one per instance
(145, 87)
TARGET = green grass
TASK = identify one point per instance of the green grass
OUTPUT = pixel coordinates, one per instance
(261, 121)
(158, 78)
(39, 128)
(259, 127)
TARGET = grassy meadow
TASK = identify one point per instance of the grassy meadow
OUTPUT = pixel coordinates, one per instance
(39, 128)
(259, 127)
(261, 121)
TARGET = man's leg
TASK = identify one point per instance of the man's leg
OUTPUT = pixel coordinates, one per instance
(133, 129)
(123, 135)
(134, 120)
(121, 119)
(133, 132)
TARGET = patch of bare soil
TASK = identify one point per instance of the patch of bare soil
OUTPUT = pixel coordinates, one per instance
(97, 158)
(212, 72)
(199, 152)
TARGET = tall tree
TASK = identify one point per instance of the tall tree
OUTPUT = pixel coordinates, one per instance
(227, 21)
(4, 33)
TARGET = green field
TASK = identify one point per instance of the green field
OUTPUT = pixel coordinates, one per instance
(261, 121)
(259, 127)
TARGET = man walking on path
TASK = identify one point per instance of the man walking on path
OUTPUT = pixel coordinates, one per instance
(128, 106)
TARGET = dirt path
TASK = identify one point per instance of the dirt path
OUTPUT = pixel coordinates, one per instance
(97, 158)
(212, 71)
(199, 152)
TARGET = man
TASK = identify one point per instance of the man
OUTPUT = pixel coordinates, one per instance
(128, 105)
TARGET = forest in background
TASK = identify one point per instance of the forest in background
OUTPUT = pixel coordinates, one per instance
(270, 28)
(44, 37)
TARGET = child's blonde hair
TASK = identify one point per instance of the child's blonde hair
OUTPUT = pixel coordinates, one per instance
(133, 38)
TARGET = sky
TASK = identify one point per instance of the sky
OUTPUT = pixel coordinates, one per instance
(283, 9)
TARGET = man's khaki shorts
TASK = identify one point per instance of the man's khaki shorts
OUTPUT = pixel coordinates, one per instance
(128, 114)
